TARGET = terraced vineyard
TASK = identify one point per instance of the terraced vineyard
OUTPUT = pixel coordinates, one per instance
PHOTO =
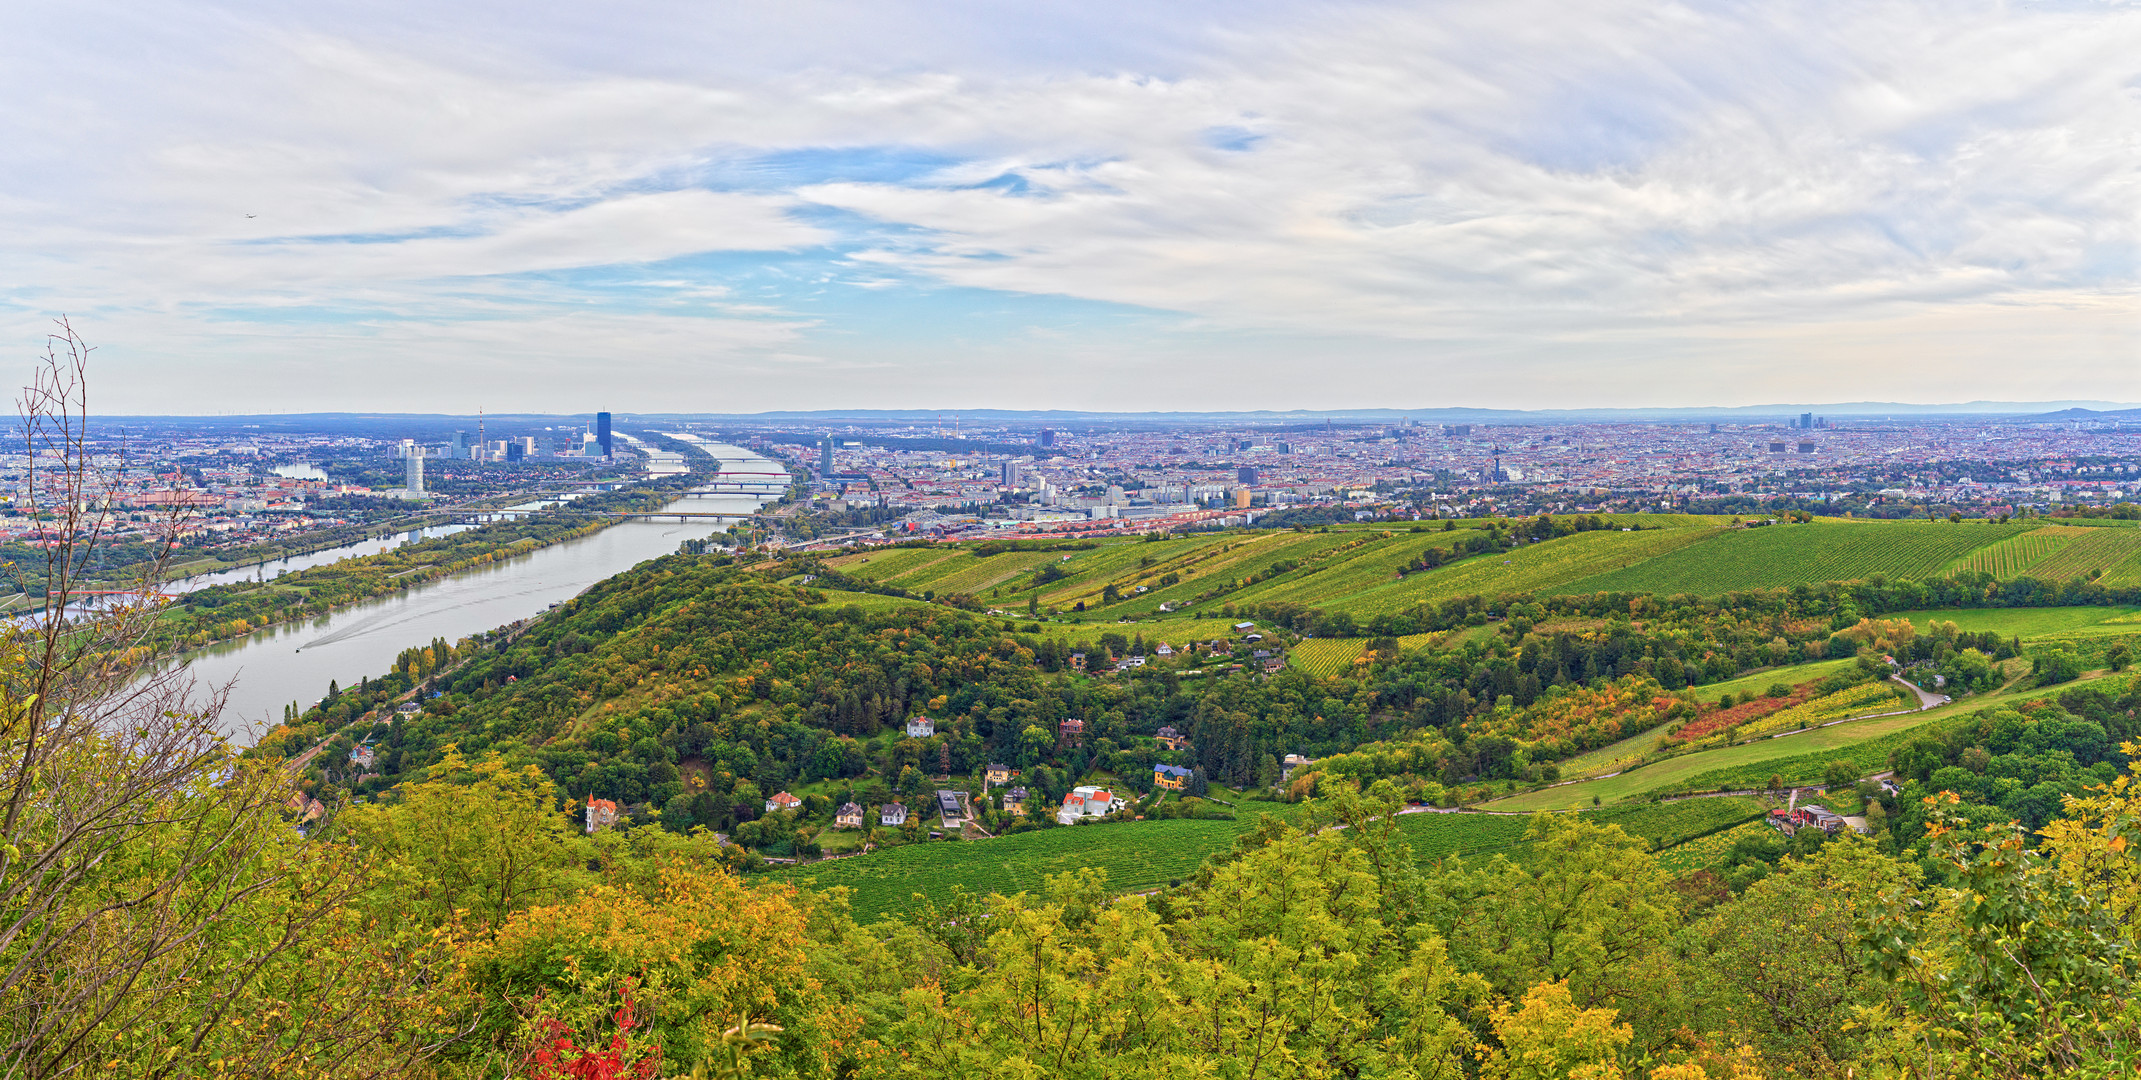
(884, 565)
(1136, 855)
(2125, 573)
(2012, 557)
(1780, 556)
(973, 576)
(1325, 657)
(1148, 854)
(2096, 550)
(1342, 576)
(1541, 567)
(1200, 572)
(1355, 569)
(1704, 853)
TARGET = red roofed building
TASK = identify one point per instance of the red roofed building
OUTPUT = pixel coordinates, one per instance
(601, 814)
(1085, 802)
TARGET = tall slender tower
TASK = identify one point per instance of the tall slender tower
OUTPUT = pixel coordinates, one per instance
(483, 447)
(602, 433)
(414, 480)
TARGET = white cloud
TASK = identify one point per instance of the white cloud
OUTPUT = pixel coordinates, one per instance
(1613, 202)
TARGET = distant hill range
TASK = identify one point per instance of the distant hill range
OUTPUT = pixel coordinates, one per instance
(1856, 410)
(1860, 411)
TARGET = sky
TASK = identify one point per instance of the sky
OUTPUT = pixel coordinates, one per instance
(1126, 206)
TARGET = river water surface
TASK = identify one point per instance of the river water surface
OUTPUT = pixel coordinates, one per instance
(294, 661)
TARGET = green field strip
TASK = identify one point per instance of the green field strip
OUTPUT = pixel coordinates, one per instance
(1747, 764)
(1780, 556)
(1673, 774)
(2029, 622)
(1759, 682)
(1614, 756)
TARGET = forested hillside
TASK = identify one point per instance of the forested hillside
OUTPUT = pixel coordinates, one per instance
(1305, 895)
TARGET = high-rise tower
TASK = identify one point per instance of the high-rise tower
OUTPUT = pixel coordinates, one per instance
(602, 433)
(414, 479)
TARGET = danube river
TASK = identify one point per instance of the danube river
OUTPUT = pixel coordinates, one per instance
(294, 661)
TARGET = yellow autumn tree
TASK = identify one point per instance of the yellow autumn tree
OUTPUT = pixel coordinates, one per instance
(1550, 1038)
(692, 955)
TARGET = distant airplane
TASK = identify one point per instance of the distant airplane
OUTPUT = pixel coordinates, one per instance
(252, 215)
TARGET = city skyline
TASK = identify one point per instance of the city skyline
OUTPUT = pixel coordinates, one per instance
(1201, 207)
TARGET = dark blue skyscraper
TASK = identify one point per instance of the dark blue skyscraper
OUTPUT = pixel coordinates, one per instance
(602, 433)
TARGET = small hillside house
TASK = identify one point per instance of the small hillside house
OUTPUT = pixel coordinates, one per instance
(849, 816)
(1171, 777)
(892, 815)
(1015, 801)
(782, 801)
(1171, 738)
(1293, 762)
(921, 727)
(997, 775)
